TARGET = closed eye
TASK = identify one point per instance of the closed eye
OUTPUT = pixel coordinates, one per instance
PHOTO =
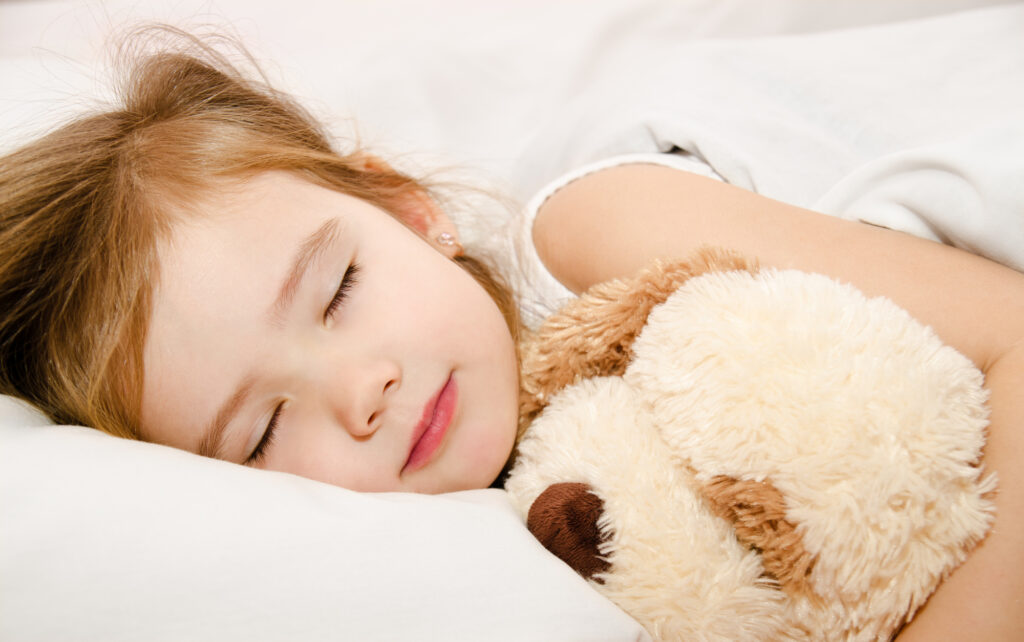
(347, 282)
(259, 453)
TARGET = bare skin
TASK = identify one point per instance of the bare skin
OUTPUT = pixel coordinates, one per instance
(612, 222)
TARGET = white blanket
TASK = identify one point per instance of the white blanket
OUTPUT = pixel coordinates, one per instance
(917, 126)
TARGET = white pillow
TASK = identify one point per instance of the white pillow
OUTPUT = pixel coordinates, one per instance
(106, 539)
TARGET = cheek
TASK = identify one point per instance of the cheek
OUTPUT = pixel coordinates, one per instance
(491, 444)
(474, 318)
(491, 451)
(325, 456)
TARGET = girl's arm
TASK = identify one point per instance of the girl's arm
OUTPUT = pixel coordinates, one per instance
(613, 222)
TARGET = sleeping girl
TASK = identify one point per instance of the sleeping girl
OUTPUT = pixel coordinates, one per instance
(199, 267)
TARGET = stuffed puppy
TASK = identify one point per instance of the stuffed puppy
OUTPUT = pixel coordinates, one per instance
(731, 453)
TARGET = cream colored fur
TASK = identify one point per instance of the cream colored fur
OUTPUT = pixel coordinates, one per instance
(867, 424)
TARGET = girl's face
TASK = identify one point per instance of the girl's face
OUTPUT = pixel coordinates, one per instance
(298, 329)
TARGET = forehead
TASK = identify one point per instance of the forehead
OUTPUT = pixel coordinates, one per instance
(233, 245)
(246, 210)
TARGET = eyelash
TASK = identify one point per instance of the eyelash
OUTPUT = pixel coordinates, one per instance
(347, 282)
(260, 451)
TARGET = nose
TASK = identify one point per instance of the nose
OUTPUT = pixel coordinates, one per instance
(359, 394)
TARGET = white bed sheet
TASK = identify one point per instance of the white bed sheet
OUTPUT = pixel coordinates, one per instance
(466, 80)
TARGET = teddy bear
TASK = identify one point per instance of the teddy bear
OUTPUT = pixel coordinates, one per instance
(736, 453)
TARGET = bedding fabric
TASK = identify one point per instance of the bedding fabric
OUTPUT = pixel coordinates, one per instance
(913, 125)
(106, 539)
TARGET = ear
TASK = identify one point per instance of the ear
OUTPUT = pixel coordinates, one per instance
(757, 512)
(420, 212)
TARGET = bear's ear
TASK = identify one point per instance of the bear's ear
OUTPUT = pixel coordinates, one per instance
(757, 512)
(593, 335)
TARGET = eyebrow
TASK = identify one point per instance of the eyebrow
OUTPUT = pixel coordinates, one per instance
(212, 443)
(310, 250)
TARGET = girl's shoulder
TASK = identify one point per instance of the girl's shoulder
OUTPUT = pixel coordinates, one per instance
(575, 189)
(540, 292)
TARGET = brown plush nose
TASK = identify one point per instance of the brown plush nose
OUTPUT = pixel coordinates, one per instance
(564, 519)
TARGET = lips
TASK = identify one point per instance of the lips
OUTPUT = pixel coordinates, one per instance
(432, 427)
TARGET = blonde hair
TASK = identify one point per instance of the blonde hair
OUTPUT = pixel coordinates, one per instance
(83, 208)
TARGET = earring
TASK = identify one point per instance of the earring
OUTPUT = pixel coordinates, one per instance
(448, 241)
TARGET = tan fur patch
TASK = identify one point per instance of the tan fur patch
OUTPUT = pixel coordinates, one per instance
(593, 335)
(757, 511)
